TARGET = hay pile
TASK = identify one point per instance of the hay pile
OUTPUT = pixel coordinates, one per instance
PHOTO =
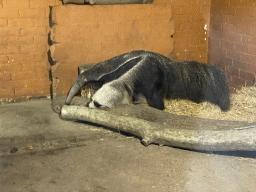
(243, 107)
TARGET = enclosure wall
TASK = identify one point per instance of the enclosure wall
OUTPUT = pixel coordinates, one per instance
(191, 29)
(232, 40)
(24, 66)
(91, 34)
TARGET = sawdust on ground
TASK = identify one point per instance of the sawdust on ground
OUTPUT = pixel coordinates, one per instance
(243, 107)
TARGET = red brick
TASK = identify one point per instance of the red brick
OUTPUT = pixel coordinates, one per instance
(227, 44)
(3, 22)
(252, 68)
(19, 92)
(248, 58)
(216, 35)
(233, 37)
(6, 93)
(16, 4)
(243, 29)
(43, 70)
(12, 84)
(9, 13)
(9, 49)
(41, 57)
(242, 11)
(42, 22)
(250, 3)
(253, 12)
(39, 39)
(32, 13)
(215, 42)
(38, 82)
(30, 66)
(217, 18)
(252, 49)
(249, 20)
(247, 76)
(233, 54)
(238, 3)
(5, 76)
(3, 59)
(221, 66)
(213, 59)
(228, 10)
(241, 47)
(33, 48)
(21, 22)
(10, 32)
(21, 58)
(42, 3)
(240, 65)
(233, 71)
(23, 75)
(44, 90)
(237, 82)
(248, 39)
(226, 61)
(216, 26)
(229, 28)
(11, 67)
(20, 40)
(34, 31)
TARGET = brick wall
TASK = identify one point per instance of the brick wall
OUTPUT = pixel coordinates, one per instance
(24, 66)
(192, 24)
(91, 34)
(232, 40)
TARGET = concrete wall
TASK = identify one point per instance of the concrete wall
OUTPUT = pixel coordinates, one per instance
(91, 34)
(24, 29)
(232, 40)
(192, 25)
(24, 66)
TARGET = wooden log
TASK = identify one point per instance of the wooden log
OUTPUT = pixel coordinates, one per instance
(234, 138)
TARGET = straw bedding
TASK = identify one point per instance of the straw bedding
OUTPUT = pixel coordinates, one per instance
(243, 107)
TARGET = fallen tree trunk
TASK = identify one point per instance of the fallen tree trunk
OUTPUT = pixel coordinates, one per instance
(236, 138)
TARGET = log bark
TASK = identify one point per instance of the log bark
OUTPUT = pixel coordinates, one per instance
(234, 137)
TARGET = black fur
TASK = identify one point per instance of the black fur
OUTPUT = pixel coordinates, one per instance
(157, 77)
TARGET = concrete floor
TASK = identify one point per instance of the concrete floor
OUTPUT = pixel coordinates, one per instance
(57, 155)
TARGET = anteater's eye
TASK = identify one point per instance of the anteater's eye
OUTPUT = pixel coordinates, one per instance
(96, 104)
